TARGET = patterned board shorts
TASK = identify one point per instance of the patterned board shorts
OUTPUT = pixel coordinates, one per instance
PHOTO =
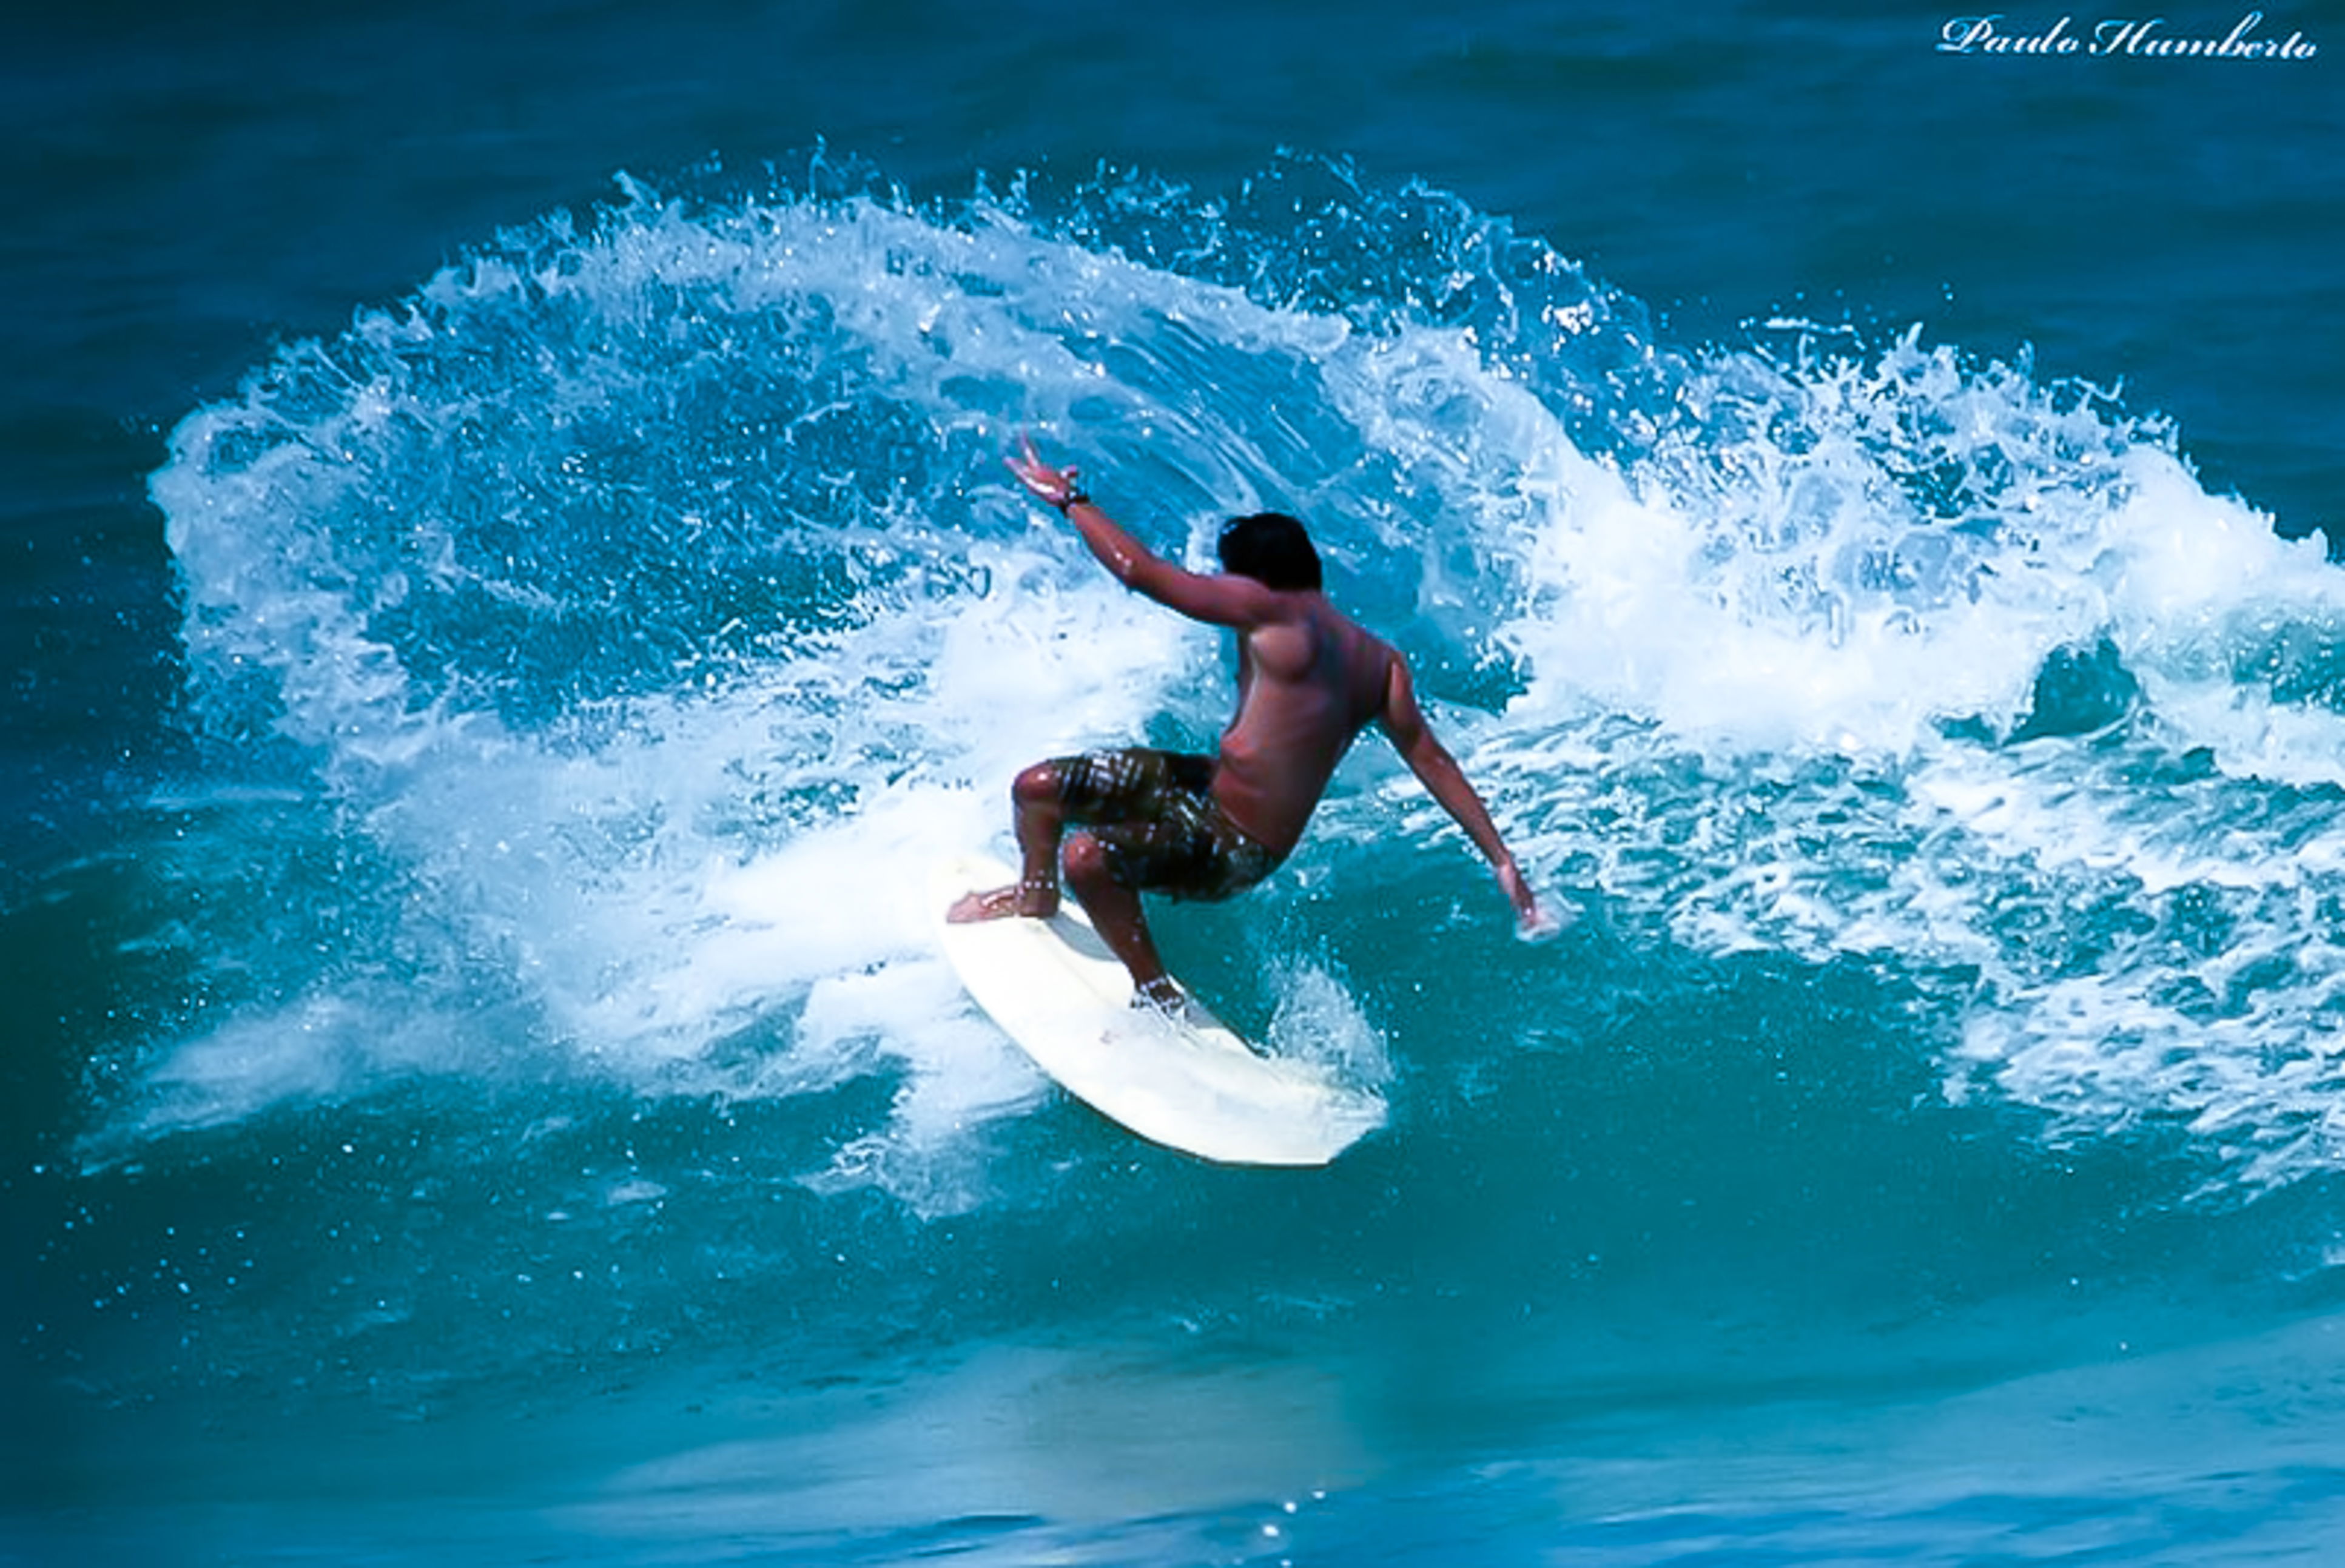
(1154, 814)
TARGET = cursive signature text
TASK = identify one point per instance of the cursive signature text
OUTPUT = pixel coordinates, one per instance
(2150, 37)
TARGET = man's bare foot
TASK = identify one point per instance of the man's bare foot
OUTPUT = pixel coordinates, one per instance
(1030, 901)
(1164, 997)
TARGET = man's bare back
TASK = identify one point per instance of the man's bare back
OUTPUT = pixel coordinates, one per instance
(1309, 680)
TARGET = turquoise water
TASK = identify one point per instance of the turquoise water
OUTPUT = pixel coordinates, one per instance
(498, 641)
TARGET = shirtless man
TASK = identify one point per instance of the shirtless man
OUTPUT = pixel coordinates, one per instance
(1309, 680)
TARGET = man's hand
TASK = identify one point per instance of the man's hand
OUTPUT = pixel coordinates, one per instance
(1533, 922)
(1051, 487)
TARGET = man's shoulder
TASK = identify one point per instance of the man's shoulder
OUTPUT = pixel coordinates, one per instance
(1315, 606)
(1368, 663)
(1358, 638)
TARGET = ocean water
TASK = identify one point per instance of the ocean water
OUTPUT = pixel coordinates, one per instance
(510, 583)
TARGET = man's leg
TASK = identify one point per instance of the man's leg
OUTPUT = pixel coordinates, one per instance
(1040, 819)
(1116, 914)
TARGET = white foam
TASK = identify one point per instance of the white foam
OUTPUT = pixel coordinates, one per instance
(1318, 1020)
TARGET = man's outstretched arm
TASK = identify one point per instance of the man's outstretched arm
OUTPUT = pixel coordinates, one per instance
(1430, 760)
(1222, 601)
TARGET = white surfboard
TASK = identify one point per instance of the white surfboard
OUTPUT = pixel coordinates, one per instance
(1190, 1085)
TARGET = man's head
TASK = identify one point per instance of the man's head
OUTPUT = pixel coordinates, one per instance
(1273, 549)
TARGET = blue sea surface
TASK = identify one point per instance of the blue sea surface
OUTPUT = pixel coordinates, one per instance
(510, 584)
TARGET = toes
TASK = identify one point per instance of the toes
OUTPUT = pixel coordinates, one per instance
(970, 907)
(1002, 903)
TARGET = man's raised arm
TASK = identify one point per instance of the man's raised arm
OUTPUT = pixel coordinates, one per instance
(1222, 601)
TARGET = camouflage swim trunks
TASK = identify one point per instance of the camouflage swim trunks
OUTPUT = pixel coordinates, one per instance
(1154, 814)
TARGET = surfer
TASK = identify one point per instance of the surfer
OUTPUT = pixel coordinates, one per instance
(1309, 680)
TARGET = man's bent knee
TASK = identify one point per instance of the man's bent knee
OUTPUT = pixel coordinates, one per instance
(1036, 786)
(1086, 861)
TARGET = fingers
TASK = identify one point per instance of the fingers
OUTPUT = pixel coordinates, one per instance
(1537, 924)
(1534, 921)
(1049, 486)
(1025, 460)
(1031, 473)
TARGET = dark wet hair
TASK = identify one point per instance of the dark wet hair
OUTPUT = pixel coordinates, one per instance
(1273, 549)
